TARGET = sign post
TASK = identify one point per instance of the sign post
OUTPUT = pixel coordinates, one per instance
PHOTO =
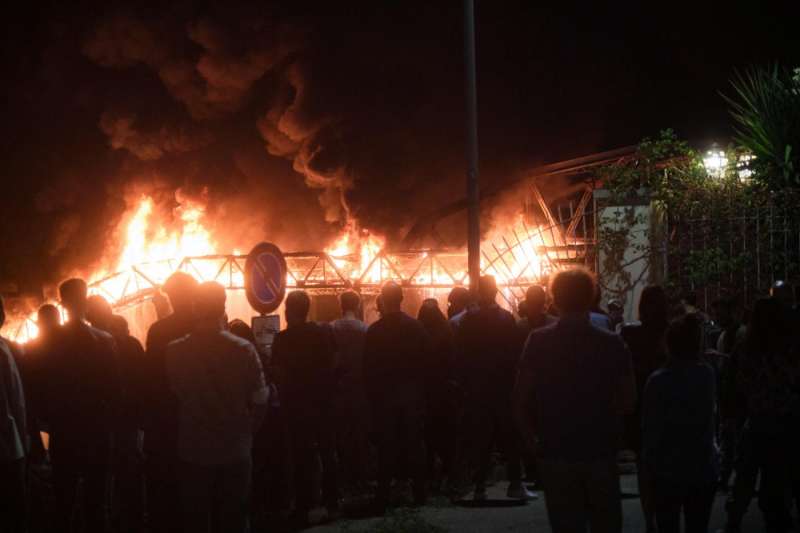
(265, 287)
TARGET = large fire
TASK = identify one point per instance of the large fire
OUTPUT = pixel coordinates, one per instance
(153, 248)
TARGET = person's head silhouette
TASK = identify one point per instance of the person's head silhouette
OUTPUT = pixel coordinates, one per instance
(654, 306)
(180, 287)
(350, 303)
(209, 303)
(98, 312)
(119, 326)
(391, 297)
(487, 290)
(73, 294)
(573, 291)
(296, 308)
(535, 300)
(457, 301)
(48, 319)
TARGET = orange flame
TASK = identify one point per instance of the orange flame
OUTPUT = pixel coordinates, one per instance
(154, 248)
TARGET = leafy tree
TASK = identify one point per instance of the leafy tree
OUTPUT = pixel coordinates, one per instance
(765, 105)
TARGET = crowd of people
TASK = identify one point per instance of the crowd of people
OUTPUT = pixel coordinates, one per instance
(200, 430)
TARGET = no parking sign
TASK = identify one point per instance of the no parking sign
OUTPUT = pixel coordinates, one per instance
(265, 277)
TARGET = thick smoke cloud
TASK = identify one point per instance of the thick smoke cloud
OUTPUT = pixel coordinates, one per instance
(213, 81)
(123, 133)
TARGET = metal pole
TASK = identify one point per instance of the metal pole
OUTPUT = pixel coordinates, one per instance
(473, 193)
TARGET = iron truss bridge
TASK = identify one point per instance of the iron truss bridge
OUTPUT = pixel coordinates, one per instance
(517, 259)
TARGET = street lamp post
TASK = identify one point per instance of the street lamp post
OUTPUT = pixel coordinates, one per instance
(473, 192)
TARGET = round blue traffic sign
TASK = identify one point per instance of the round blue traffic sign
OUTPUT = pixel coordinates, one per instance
(265, 277)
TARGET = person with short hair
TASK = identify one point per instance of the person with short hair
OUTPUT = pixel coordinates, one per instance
(128, 497)
(575, 383)
(160, 407)
(13, 440)
(303, 355)
(394, 380)
(535, 313)
(222, 398)
(352, 419)
(457, 301)
(488, 344)
(678, 431)
(443, 396)
(81, 380)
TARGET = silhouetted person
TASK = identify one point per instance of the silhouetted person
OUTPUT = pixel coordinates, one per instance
(82, 395)
(304, 358)
(575, 383)
(678, 432)
(99, 312)
(352, 417)
(128, 509)
(489, 349)
(13, 440)
(394, 379)
(769, 383)
(616, 314)
(726, 355)
(160, 408)
(37, 353)
(457, 301)
(242, 330)
(443, 407)
(646, 341)
(222, 398)
(535, 313)
(597, 315)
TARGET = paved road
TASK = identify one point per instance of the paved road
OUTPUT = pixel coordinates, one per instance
(531, 517)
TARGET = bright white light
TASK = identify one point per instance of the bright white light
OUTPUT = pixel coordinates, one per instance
(715, 163)
(742, 166)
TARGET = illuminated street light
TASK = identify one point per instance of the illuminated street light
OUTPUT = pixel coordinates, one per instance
(715, 162)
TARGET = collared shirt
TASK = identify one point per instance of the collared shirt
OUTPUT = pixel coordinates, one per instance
(13, 433)
(576, 370)
(217, 378)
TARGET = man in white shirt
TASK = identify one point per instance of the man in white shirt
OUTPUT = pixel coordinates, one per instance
(222, 396)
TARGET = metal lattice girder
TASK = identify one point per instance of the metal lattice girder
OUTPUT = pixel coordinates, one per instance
(319, 272)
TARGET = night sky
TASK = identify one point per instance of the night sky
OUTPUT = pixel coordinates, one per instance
(272, 113)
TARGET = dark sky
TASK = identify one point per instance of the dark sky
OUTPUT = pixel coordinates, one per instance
(272, 112)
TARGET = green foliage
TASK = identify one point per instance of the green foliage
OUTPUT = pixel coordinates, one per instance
(724, 231)
(766, 107)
